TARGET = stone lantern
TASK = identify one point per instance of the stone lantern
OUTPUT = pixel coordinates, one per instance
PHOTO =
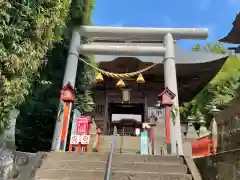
(213, 126)
(203, 131)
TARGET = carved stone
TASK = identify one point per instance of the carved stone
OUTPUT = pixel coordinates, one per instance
(19, 165)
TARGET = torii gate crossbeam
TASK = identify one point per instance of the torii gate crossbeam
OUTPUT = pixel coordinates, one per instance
(142, 33)
(168, 35)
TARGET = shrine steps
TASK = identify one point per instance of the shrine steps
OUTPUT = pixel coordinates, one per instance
(124, 144)
(91, 166)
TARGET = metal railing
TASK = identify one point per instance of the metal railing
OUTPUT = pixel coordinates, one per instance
(110, 155)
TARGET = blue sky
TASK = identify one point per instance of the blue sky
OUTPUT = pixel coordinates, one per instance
(216, 15)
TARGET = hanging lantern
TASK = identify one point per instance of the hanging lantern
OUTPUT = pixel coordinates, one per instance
(126, 95)
(120, 83)
(140, 79)
(99, 78)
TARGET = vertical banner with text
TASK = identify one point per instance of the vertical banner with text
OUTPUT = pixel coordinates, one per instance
(82, 125)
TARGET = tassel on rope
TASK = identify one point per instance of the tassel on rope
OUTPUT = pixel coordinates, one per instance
(140, 79)
(99, 78)
(120, 84)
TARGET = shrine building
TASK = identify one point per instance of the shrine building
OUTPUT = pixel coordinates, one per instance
(128, 107)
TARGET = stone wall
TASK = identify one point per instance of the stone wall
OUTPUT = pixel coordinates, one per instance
(223, 166)
(228, 121)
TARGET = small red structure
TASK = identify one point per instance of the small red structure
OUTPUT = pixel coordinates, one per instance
(68, 96)
(166, 100)
(166, 97)
(204, 147)
(98, 132)
(68, 93)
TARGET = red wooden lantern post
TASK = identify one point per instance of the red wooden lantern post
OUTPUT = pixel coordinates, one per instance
(166, 100)
(68, 96)
(89, 146)
(98, 132)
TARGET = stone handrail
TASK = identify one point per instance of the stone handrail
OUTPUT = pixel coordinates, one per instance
(226, 156)
(192, 168)
(221, 166)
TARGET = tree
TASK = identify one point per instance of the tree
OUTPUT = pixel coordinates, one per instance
(221, 90)
(38, 113)
(27, 30)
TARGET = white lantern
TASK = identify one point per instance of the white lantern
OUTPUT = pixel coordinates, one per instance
(126, 95)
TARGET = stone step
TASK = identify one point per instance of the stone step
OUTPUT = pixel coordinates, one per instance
(88, 157)
(124, 145)
(108, 146)
(125, 151)
(144, 167)
(117, 149)
(121, 138)
(55, 174)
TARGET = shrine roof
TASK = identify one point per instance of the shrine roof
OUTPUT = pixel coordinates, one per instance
(234, 35)
(181, 56)
(194, 69)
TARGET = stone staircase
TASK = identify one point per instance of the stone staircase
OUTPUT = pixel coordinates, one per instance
(124, 144)
(91, 166)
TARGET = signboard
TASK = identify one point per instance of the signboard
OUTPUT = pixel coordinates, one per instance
(75, 139)
(82, 125)
(144, 142)
(85, 139)
(137, 131)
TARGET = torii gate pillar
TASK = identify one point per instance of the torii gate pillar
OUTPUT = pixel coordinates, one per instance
(170, 79)
(69, 77)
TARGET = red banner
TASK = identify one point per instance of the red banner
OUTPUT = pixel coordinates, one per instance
(82, 125)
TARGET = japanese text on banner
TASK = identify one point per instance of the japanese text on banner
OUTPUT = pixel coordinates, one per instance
(82, 125)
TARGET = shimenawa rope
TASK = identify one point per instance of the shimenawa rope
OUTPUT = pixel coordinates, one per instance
(118, 75)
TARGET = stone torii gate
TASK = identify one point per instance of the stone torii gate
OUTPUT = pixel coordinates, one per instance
(168, 35)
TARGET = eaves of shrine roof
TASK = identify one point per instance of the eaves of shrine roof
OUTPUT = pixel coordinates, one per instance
(233, 36)
(181, 56)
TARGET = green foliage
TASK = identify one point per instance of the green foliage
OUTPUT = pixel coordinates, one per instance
(216, 48)
(221, 90)
(38, 112)
(27, 31)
